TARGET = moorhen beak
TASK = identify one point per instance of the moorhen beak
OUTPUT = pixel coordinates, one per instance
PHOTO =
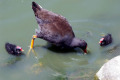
(55, 29)
(85, 51)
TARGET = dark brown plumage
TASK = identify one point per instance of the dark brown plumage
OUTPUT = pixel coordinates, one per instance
(55, 29)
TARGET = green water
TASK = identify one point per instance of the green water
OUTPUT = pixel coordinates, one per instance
(89, 19)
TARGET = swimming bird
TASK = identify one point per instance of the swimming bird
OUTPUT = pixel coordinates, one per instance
(107, 39)
(55, 29)
(13, 49)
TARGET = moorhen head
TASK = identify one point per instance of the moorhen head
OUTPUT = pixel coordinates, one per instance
(13, 49)
(55, 29)
(107, 39)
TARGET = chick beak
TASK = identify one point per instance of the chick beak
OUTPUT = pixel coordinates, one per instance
(32, 41)
(22, 50)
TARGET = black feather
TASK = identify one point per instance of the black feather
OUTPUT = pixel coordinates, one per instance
(107, 40)
(11, 49)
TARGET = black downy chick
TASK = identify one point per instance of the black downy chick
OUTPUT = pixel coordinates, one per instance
(13, 49)
(107, 39)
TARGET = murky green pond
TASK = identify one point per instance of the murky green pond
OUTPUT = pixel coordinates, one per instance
(89, 19)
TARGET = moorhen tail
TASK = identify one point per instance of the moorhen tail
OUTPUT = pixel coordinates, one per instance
(55, 29)
(13, 49)
(107, 39)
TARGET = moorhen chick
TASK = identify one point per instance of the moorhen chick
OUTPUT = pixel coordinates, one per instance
(13, 49)
(107, 39)
(55, 29)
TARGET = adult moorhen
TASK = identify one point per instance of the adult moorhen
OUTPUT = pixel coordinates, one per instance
(55, 29)
(13, 49)
(107, 39)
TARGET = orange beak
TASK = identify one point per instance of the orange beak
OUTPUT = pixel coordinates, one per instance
(85, 50)
(32, 41)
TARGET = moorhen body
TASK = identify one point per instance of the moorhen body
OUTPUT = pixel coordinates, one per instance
(13, 49)
(107, 39)
(55, 29)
